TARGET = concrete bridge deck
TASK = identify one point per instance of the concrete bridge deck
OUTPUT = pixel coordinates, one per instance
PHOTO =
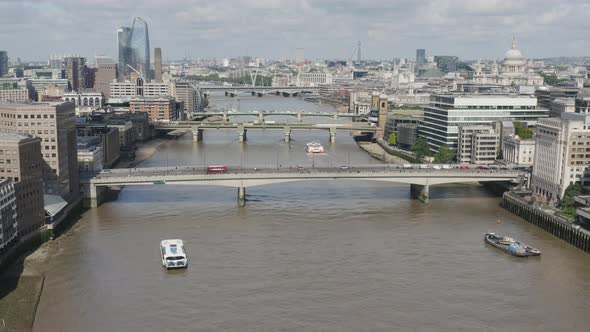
(262, 114)
(242, 128)
(238, 177)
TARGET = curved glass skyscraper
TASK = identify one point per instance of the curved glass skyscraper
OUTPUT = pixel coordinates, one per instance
(134, 48)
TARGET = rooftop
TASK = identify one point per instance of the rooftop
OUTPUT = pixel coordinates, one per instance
(13, 137)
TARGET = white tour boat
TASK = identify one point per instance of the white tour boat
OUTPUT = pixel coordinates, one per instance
(173, 254)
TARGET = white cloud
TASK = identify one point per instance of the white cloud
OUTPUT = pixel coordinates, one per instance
(274, 28)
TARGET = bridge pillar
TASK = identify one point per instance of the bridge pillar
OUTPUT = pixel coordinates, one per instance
(287, 131)
(300, 116)
(332, 135)
(335, 116)
(253, 93)
(421, 192)
(225, 117)
(242, 134)
(93, 196)
(197, 134)
(260, 115)
(241, 196)
(260, 94)
(226, 93)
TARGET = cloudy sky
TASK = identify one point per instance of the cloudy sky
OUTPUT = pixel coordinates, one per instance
(471, 29)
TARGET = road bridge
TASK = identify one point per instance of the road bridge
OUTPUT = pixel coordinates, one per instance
(242, 128)
(260, 91)
(262, 114)
(419, 179)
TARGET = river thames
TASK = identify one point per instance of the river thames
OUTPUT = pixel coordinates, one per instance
(306, 256)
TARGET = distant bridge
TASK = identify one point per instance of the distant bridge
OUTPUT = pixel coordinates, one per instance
(260, 91)
(238, 177)
(242, 128)
(262, 114)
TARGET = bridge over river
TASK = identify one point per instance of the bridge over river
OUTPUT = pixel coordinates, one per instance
(419, 179)
(243, 127)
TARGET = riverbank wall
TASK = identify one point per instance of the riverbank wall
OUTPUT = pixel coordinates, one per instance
(555, 225)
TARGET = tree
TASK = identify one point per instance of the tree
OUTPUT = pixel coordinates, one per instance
(567, 201)
(420, 148)
(392, 139)
(523, 131)
(444, 155)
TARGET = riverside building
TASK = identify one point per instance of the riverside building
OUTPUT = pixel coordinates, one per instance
(20, 161)
(55, 125)
(446, 113)
(562, 155)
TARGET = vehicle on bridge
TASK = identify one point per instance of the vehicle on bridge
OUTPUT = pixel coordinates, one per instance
(314, 148)
(216, 169)
(173, 255)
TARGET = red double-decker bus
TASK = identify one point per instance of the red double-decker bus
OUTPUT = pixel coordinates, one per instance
(216, 169)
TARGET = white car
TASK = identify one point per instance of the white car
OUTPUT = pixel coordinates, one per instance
(446, 166)
(406, 166)
(424, 166)
(437, 167)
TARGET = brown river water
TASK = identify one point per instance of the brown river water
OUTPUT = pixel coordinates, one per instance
(307, 256)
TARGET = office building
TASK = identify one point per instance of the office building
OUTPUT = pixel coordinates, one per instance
(106, 73)
(184, 92)
(159, 108)
(582, 102)
(158, 64)
(421, 56)
(446, 113)
(313, 78)
(20, 160)
(545, 95)
(3, 63)
(124, 51)
(562, 105)
(8, 215)
(517, 151)
(109, 140)
(477, 145)
(561, 155)
(89, 154)
(55, 125)
(76, 72)
(134, 49)
(11, 91)
(128, 89)
(446, 63)
(407, 135)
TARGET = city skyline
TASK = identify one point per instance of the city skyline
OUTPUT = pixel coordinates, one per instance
(275, 28)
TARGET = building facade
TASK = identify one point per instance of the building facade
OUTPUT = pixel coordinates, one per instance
(139, 87)
(55, 124)
(518, 152)
(158, 108)
(477, 145)
(446, 113)
(8, 215)
(90, 155)
(562, 155)
(106, 73)
(76, 72)
(20, 161)
(3, 63)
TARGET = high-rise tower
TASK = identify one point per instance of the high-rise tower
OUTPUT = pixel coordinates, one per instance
(158, 64)
(134, 48)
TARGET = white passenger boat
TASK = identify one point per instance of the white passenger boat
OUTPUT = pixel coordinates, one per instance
(173, 254)
(314, 148)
